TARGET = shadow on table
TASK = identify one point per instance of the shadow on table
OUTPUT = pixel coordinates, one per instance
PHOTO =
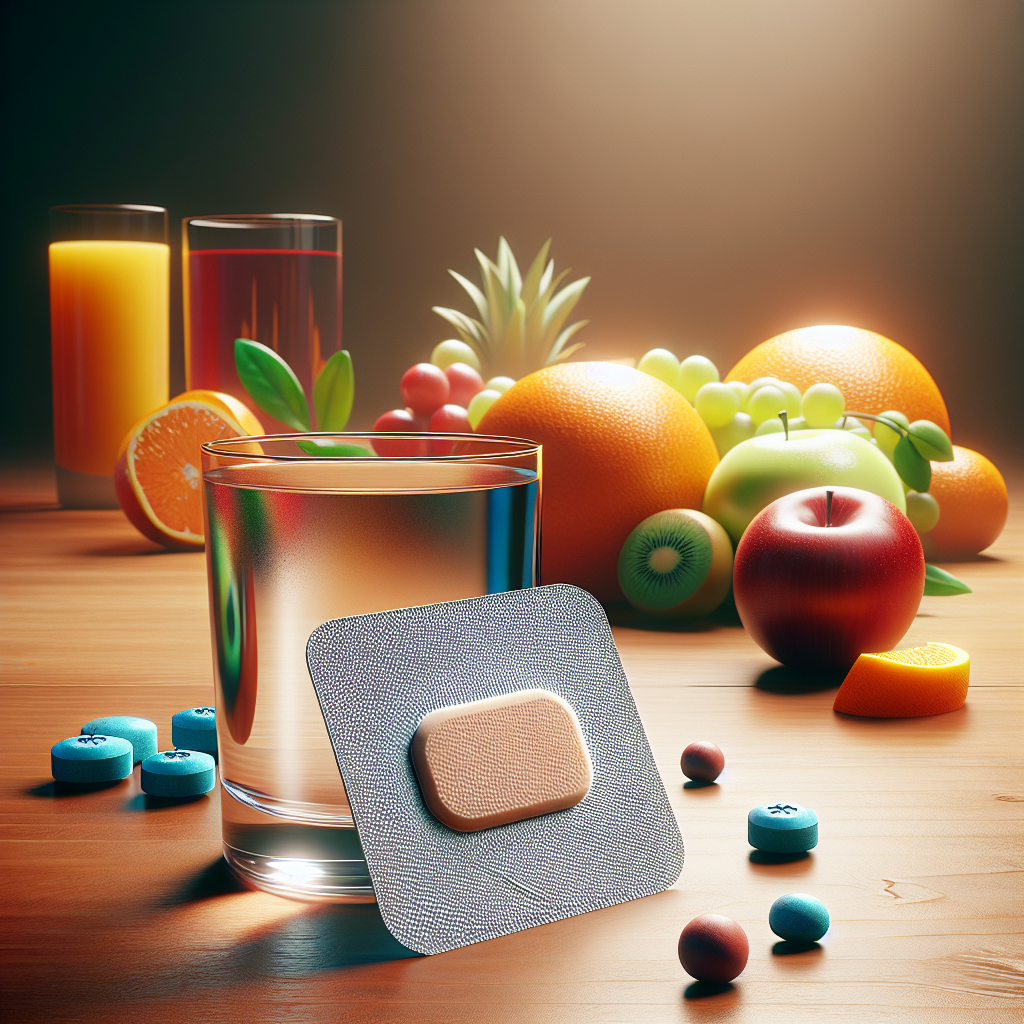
(54, 789)
(785, 680)
(214, 880)
(781, 863)
(621, 613)
(698, 784)
(148, 802)
(790, 947)
(706, 989)
(132, 547)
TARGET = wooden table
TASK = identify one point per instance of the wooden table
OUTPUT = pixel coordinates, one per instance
(113, 910)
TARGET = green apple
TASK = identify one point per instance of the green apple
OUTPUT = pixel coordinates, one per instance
(756, 472)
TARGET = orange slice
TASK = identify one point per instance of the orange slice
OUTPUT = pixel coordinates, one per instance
(927, 680)
(234, 407)
(158, 477)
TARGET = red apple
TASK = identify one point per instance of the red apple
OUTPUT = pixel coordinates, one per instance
(822, 576)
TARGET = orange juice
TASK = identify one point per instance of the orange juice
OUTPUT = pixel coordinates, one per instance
(109, 327)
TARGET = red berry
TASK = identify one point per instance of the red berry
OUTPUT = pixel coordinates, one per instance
(713, 948)
(450, 419)
(702, 762)
(396, 419)
(464, 381)
(424, 388)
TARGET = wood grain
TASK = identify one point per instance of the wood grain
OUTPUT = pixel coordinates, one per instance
(113, 908)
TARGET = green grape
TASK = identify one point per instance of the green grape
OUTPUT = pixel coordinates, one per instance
(454, 351)
(793, 398)
(799, 423)
(694, 373)
(770, 427)
(739, 428)
(922, 511)
(741, 392)
(858, 429)
(756, 385)
(885, 437)
(822, 404)
(499, 384)
(661, 363)
(716, 404)
(766, 403)
(480, 403)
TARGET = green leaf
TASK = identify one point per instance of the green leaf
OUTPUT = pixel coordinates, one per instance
(327, 448)
(939, 583)
(479, 300)
(509, 269)
(271, 383)
(531, 283)
(471, 331)
(913, 468)
(557, 355)
(334, 391)
(931, 441)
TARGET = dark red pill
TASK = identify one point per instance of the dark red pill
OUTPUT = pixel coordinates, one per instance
(713, 948)
(702, 762)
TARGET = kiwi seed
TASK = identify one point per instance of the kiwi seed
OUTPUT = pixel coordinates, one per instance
(664, 561)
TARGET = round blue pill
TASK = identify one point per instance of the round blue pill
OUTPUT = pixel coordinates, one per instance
(798, 917)
(91, 759)
(195, 729)
(139, 732)
(178, 773)
(782, 827)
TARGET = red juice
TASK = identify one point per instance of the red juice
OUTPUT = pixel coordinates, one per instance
(286, 299)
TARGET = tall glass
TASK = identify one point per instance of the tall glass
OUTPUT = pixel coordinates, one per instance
(109, 273)
(274, 278)
(295, 540)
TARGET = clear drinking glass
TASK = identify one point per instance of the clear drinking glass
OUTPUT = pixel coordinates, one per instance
(274, 278)
(293, 540)
(109, 305)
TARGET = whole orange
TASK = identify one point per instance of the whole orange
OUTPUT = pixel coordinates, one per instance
(873, 373)
(619, 445)
(973, 504)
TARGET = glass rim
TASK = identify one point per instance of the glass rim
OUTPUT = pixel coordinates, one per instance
(248, 220)
(126, 208)
(517, 447)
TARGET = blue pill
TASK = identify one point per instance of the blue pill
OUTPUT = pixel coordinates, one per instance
(782, 827)
(195, 729)
(91, 759)
(798, 917)
(178, 773)
(139, 732)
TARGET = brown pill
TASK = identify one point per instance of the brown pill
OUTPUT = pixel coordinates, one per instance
(702, 762)
(502, 759)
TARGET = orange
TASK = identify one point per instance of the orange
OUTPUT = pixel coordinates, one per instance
(234, 407)
(873, 373)
(973, 504)
(927, 680)
(158, 476)
(619, 445)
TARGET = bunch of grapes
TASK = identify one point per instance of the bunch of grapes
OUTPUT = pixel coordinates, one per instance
(446, 395)
(735, 412)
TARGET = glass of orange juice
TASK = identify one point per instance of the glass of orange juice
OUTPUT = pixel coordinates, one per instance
(109, 308)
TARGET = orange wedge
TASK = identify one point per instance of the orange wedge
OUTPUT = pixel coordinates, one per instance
(927, 680)
(158, 477)
(234, 407)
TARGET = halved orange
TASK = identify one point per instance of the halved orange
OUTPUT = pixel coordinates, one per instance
(158, 477)
(927, 680)
(234, 407)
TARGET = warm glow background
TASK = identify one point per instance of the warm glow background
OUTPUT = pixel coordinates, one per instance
(724, 170)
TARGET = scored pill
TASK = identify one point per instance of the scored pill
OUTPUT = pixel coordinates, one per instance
(176, 773)
(89, 759)
(502, 759)
(195, 729)
(139, 732)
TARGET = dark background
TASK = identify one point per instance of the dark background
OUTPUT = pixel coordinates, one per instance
(724, 170)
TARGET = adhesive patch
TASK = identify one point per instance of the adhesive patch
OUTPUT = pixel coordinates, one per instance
(379, 676)
(499, 760)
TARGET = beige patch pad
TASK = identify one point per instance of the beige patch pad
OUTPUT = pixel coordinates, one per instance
(499, 760)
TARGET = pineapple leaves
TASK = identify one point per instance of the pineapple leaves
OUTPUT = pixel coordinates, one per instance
(522, 320)
(333, 392)
(271, 383)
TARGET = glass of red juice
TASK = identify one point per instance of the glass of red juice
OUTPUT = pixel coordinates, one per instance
(274, 278)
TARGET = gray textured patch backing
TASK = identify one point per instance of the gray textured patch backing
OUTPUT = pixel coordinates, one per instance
(376, 676)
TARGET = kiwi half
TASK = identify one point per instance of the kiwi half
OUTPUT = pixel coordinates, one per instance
(676, 564)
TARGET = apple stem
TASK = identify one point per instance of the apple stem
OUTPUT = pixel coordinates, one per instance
(784, 416)
(828, 508)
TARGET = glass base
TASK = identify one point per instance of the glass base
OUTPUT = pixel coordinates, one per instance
(308, 852)
(85, 490)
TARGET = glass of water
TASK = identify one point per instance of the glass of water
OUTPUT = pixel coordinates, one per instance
(305, 528)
